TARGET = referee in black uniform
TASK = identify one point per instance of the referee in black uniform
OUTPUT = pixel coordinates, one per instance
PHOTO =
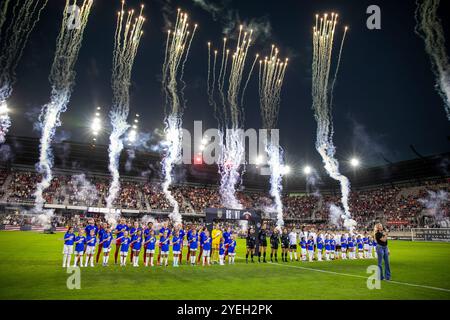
(251, 243)
(284, 245)
(274, 243)
(262, 239)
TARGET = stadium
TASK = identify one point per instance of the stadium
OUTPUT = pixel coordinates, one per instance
(106, 195)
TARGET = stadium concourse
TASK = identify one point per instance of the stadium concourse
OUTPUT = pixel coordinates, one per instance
(395, 196)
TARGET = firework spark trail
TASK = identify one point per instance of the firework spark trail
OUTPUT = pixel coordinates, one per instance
(429, 28)
(271, 78)
(230, 116)
(62, 79)
(3, 10)
(178, 45)
(126, 43)
(323, 37)
(13, 44)
(337, 68)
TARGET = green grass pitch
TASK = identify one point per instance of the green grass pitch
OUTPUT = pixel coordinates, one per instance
(31, 268)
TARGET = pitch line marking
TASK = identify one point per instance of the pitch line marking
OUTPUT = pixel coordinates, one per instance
(363, 277)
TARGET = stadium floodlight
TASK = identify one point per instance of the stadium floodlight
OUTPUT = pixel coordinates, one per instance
(96, 125)
(307, 170)
(259, 160)
(286, 170)
(354, 162)
(132, 135)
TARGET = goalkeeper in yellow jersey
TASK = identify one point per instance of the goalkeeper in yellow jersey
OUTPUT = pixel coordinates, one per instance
(216, 235)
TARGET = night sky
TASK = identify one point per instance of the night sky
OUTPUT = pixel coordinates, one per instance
(384, 98)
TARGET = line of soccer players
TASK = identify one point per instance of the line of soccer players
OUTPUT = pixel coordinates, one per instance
(91, 241)
(313, 246)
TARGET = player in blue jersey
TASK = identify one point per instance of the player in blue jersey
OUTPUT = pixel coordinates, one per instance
(332, 246)
(105, 244)
(181, 235)
(227, 238)
(222, 251)
(91, 241)
(360, 246)
(133, 231)
(320, 244)
(344, 247)
(176, 247)
(193, 245)
(119, 232)
(201, 238)
(374, 248)
(327, 242)
(162, 230)
(303, 248)
(164, 242)
(188, 237)
(150, 242)
(69, 238)
(145, 235)
(310, 246)
(80, 242)
(100, 235)
(352, 246)
(207, 242)
(136, 245)
(232, 249)
(125, 242)
(91, 226)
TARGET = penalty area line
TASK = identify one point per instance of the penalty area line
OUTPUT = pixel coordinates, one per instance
(363, 277)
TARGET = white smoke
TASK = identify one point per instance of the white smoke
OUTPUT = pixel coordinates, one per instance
(335, 215)
(230, 19)
(120, 127)
(173, 155)
(147, 218)
(276, 172)
(230, 159)
(243, 224)
(131, 156)
(84, 190)
(429, 28)
(434, 202)
(5, 120)
(5, 153)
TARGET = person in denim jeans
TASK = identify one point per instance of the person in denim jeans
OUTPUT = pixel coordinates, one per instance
(382, 251)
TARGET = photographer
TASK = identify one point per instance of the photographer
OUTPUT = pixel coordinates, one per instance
(382, 251)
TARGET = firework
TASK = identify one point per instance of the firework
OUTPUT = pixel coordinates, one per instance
(227, 88)
(271, 77)
(429, 28)
(178, 45)
(126, 43)
(62, 79)
(323, 38)
(25, 14)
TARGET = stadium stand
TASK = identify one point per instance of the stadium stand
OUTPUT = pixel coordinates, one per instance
(394, 196)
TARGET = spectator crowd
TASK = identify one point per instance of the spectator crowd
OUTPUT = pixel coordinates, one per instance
(401, 207)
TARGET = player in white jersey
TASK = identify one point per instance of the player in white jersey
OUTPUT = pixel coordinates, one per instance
(293, 244)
